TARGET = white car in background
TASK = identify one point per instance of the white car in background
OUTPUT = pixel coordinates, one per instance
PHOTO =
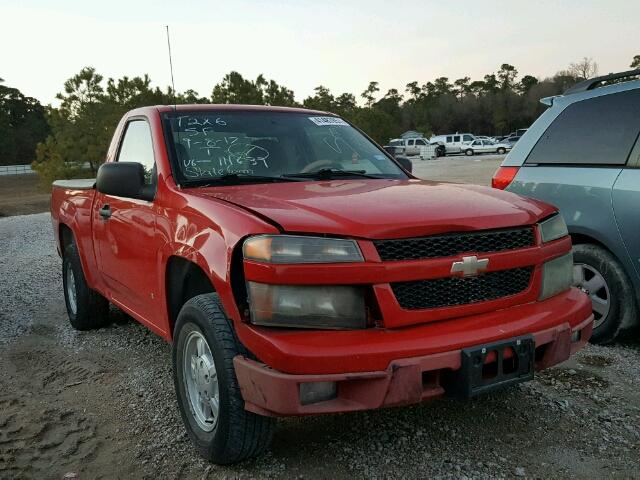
(485, 146)
(484, 137)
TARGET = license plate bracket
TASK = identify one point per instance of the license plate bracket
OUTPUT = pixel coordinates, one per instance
(476, 376)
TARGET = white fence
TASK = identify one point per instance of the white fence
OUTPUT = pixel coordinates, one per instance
(15, 170)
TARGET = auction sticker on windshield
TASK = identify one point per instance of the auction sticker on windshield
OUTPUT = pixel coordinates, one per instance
(322, 121)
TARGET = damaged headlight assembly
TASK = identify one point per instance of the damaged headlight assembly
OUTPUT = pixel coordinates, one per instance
(553, 228)
(305, 306)
(557, 274)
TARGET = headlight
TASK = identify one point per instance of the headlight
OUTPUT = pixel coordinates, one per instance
(299, 249)
(553, 228)
(307, 306)
(557, 276)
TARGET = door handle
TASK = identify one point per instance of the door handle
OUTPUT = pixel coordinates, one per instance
(105, 212)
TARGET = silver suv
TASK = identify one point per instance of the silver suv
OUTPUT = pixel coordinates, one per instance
(583, 155)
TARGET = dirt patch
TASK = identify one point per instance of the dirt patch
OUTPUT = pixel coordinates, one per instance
(22, 195)
(596, 361)
(569, 378)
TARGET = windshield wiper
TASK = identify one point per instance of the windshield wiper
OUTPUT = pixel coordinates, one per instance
(330, 173)
(230, 178)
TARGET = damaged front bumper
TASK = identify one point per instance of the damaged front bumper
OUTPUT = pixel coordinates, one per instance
(405, 381)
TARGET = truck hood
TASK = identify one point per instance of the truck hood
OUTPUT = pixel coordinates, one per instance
(379, 209)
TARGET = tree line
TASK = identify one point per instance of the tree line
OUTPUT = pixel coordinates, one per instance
(73, 137)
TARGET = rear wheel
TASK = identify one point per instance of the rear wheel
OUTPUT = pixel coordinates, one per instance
(599, 274)
(468, 152)
(209, 398)
(87, 309)
(502, 151)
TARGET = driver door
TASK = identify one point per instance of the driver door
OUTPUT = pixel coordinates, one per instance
(125, 231)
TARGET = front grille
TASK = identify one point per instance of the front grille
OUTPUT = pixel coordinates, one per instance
(455, 244)
(450, 291)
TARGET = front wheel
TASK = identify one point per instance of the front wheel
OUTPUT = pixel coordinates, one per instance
(209, 398)
(468, 152)
(502, 151)
(599, 274)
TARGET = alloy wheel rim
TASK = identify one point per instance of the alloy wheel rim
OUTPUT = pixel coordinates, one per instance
(71, 291)
(593, 284)
(201, 381)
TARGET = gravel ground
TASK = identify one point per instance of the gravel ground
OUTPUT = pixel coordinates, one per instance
(101, 405)
(459, 168)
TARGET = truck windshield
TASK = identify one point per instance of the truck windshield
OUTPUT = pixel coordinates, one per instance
(215, 145)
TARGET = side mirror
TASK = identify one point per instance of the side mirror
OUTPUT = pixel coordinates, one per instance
(405, 162)
(124, 179)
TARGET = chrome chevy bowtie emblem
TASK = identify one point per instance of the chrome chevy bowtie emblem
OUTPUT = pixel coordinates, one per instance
(470, 266)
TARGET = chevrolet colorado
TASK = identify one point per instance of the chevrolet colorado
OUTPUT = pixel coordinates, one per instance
(298, 269)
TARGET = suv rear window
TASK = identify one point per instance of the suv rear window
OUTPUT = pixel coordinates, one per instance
(597, 131)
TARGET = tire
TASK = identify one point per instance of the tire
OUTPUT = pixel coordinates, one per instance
(468, 152)
(87, 309)
(600, 274)
(502, 151)
(234, 434)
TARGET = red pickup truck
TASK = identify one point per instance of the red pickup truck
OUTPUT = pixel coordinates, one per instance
(298, 269)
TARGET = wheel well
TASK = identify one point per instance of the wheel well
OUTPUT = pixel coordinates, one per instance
(578, 238)
(184, 280)
(65, 235)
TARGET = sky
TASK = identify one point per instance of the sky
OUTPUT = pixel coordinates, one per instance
(342, 45)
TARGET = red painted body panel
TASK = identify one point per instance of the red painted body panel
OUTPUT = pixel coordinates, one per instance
(378, 209)
(304, 352)
(403, 382)
(126, 257)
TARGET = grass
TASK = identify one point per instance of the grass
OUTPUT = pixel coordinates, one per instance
(22, 195)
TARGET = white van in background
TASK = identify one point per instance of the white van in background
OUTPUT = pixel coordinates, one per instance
(453, 142)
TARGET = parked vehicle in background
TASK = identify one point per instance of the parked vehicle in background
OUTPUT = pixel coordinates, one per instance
(416, 146)
(297, 269)
(454, 142)
(512, 140)
(484, 137)
(583, 155)
(486, 146)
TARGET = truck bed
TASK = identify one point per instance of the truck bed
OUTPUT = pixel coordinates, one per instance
(76, 184)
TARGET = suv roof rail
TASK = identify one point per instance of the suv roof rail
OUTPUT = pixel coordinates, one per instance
(592, 83)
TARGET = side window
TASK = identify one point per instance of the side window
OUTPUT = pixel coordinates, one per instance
(597, 131)
(456, 138)
(449, 139)
(420, 142)
(410, 142)
(467, 138)
(137, 147)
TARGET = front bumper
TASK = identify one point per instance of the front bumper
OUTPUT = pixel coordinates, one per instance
(411, 379)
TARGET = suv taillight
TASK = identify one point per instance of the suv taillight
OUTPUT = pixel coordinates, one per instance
(503, 177)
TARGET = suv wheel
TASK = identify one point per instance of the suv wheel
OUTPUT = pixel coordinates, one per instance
(87, 309)
(209, 398)
(468, 152)
(600, 275)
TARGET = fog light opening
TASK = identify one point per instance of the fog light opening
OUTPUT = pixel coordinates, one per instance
(315, 392)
